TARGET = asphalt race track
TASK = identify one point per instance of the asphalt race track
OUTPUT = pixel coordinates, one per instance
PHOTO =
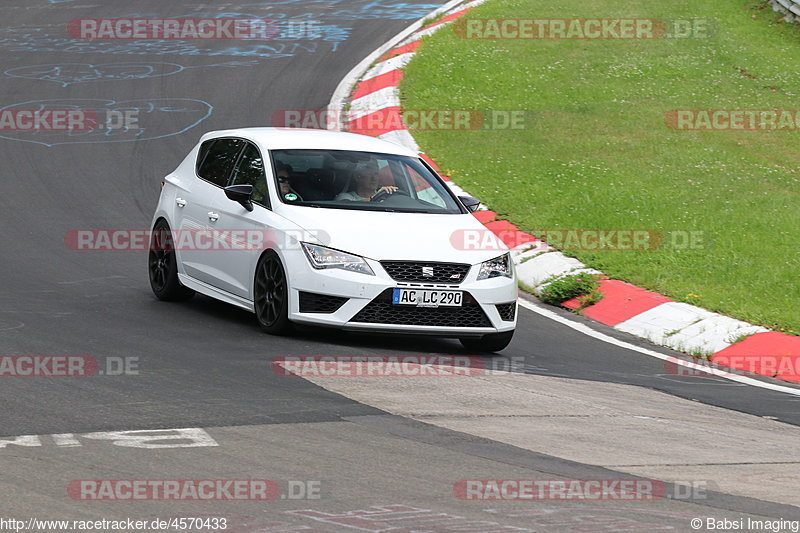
(204, 364)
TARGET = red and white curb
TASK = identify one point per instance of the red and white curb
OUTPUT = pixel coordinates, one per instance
(372, 88)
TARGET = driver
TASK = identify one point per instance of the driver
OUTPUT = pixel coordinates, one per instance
(364, 186)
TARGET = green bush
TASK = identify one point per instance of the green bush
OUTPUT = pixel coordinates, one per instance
(571, 286)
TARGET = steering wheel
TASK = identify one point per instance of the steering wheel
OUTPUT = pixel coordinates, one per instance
(383, 195)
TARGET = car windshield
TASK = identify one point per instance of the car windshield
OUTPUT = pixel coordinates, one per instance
(342, 179)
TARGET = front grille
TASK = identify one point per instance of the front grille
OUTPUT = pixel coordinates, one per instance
(320, 303)
(382, 311)
(451, 273)
(507, 311)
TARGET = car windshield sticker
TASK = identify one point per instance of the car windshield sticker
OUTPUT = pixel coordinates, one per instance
(291, 197)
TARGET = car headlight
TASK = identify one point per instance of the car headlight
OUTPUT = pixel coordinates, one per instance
(494, 268)
(322, 257)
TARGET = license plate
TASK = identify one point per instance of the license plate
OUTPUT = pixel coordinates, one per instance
(427, 298)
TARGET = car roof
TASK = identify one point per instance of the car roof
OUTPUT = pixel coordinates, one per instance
(301, 138)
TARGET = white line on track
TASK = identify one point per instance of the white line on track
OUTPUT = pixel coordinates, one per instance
(696, 367)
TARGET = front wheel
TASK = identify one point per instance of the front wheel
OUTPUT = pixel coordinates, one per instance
(493, 342)
(271, 295)
(162, 266)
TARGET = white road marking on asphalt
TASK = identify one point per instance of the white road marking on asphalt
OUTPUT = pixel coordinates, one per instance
(142, 438)
(66, 440)
(696, 367)
(22, 440)
(197, 437)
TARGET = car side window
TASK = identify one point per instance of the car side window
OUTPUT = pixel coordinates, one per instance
(250, 171)
(220, 156)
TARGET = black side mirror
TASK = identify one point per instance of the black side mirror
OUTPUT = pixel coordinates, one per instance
(242, 194)
(472, 204)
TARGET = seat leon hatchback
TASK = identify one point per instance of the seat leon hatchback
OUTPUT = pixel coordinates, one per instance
(332, 229)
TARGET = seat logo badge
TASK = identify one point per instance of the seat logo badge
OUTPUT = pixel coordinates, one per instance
(427, 272)
(455, 276)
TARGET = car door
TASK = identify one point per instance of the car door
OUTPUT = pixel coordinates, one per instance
(248, 232)
(216, 160)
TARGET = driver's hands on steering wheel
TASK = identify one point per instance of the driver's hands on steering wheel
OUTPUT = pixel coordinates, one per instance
(383, 192)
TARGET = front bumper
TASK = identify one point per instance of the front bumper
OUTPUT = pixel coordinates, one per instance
(368, 302)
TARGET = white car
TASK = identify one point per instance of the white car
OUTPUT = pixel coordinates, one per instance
(332, 229)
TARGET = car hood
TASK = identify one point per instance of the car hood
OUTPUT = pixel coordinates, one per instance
(399, 236)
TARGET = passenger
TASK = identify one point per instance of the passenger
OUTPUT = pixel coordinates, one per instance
(286, 191)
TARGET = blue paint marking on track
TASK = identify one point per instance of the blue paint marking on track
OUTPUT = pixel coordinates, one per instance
(372, 9)
(67, 74)
(186, 113)
(37, 40)
(286, 43)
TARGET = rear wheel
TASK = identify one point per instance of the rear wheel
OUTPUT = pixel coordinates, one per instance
(493, 342)
(162, 266)
(271, 295)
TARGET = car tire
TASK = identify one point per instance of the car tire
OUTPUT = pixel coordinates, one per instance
(162, 266)
(493, 342)
(271, 295)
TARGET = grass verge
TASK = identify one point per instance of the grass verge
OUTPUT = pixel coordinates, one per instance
(596, 152)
